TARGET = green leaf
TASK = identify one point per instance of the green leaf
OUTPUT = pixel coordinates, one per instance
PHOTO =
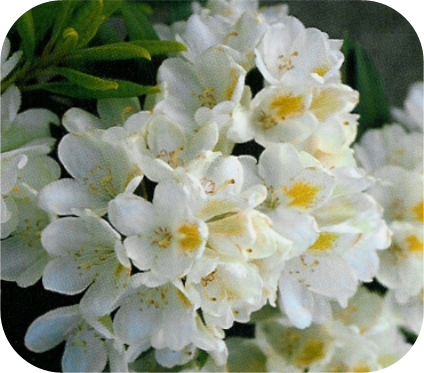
(64, 13)
(360, 73)
(372, 106)
(156, 47)
(26, 30)
(110, 7)
(409, 336)
(85, 80)
(105, 35)
(106, 321)
(88, 18)
(202, 358)
(180, 10)
(110, 52)
(136, 21)
(125, 89)
(44, 16)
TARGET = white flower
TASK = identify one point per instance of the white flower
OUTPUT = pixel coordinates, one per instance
(164, 237)
(22, 256)
(8, 63)
(390, 146)
(231, 9)
(273, 14)
(103, 164)
(277, 114)
(399, 191)
(165, 146)
(86, 349)
(87, 253)
(284, 55)
(289, 349)
(412, 114)
(408, 314)
(164, 318)
(112, 112)
(229, 291)
(315, 120)
(212, 78)
(401, 268)
(238, 38)
(25, 141)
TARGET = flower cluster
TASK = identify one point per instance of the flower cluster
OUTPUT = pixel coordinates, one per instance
(394, 156)
(223, 236)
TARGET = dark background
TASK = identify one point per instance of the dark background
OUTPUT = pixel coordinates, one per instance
(387, 37)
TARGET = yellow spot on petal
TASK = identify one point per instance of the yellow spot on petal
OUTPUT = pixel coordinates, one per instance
(230, 89)
(287, 106)
(311, 352)
(414, 244)
(189, 237)
(325, 241)
(126, 113)
(418, 211)
(184, 300)
(120, 269)
(302, 194)
(321, 70)
(326, 102)
(361, 369)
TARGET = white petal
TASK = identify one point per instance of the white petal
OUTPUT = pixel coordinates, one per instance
(10, 104)
(64, 276)
(62, 196)
(278, 164)
(76, 120)
(50, 329)
(9, 65)
(131, 214)
(115, 111)
(102, 296)
(40, 171)
(5, 50)
(9, 226)
(117, 358)
(22, 263)
(69, 235)
(84, 352)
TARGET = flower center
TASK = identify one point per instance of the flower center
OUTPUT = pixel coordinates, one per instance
(288, 106)
(189, 237)
(302, 194)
